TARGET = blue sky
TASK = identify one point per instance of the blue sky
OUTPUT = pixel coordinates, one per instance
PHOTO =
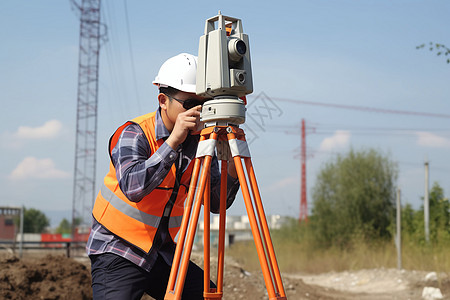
(358, 54)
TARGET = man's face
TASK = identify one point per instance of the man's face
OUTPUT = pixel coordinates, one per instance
(171, 106)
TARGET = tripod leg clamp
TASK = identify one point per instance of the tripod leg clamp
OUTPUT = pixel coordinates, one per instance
(206, 147)
(239, 148)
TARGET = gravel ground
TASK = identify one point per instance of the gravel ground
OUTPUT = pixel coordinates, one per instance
(58, 277)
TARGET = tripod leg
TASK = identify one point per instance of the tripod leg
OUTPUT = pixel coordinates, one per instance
(177, 292)
(178, 277)
(222, 225)
(268, 264)
(218, 292)
(254, 227)
(265, 227)
(206, 236)
(183, 229)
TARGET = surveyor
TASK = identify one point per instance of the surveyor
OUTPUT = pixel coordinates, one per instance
(138, 211)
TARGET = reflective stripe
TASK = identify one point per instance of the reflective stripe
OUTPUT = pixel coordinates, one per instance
(135, 213)
(206, 147)
(175, 222)
(239, 148)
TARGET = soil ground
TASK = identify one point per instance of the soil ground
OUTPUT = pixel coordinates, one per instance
(57, 277)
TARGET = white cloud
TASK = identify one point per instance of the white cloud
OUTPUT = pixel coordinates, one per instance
(283, 183)
(49, 130)
(432, 140)
(32, 167)
(340, 139)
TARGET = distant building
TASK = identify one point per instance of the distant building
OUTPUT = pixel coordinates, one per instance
(237, 228)
(8, 227)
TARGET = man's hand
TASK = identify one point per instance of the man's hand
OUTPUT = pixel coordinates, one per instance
(186, 121)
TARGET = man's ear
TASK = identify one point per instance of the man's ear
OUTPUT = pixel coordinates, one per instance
(162, 99)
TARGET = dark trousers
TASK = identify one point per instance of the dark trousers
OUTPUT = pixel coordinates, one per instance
(114, 277)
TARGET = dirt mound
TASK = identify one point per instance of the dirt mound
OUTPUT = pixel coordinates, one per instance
(50, 277)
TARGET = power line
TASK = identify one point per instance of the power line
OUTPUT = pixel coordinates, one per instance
(353, 127)
(318, 128)
(114, 74)
(131, 56)
(115, 62)
(364, 108)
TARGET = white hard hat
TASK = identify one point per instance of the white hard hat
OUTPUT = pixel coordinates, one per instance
(178, 72)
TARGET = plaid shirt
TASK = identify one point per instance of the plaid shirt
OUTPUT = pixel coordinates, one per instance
(138, 172)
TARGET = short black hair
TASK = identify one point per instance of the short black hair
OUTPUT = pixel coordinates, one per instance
(169, 91)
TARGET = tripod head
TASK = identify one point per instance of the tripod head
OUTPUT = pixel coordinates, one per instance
(223, 71)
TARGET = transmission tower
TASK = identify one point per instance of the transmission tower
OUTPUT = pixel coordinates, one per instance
(87, 99)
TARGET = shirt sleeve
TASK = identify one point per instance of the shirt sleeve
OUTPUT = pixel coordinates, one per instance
(138, 170)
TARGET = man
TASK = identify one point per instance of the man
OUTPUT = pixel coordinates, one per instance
(138, 211)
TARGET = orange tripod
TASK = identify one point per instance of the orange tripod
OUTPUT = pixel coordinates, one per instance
(210, 138)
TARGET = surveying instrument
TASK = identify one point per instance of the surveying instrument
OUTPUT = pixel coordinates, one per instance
(223, 74)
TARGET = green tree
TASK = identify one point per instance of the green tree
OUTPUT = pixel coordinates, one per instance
(354, 195)
(34, 221)
(439, 212)
(439, 222)
(64, 227)
(409, 219)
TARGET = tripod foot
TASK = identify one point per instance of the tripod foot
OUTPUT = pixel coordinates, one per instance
(213, 294)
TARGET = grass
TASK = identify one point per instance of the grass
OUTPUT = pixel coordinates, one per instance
(296, 256)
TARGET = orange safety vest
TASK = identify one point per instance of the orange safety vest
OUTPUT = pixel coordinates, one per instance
(137, 222)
